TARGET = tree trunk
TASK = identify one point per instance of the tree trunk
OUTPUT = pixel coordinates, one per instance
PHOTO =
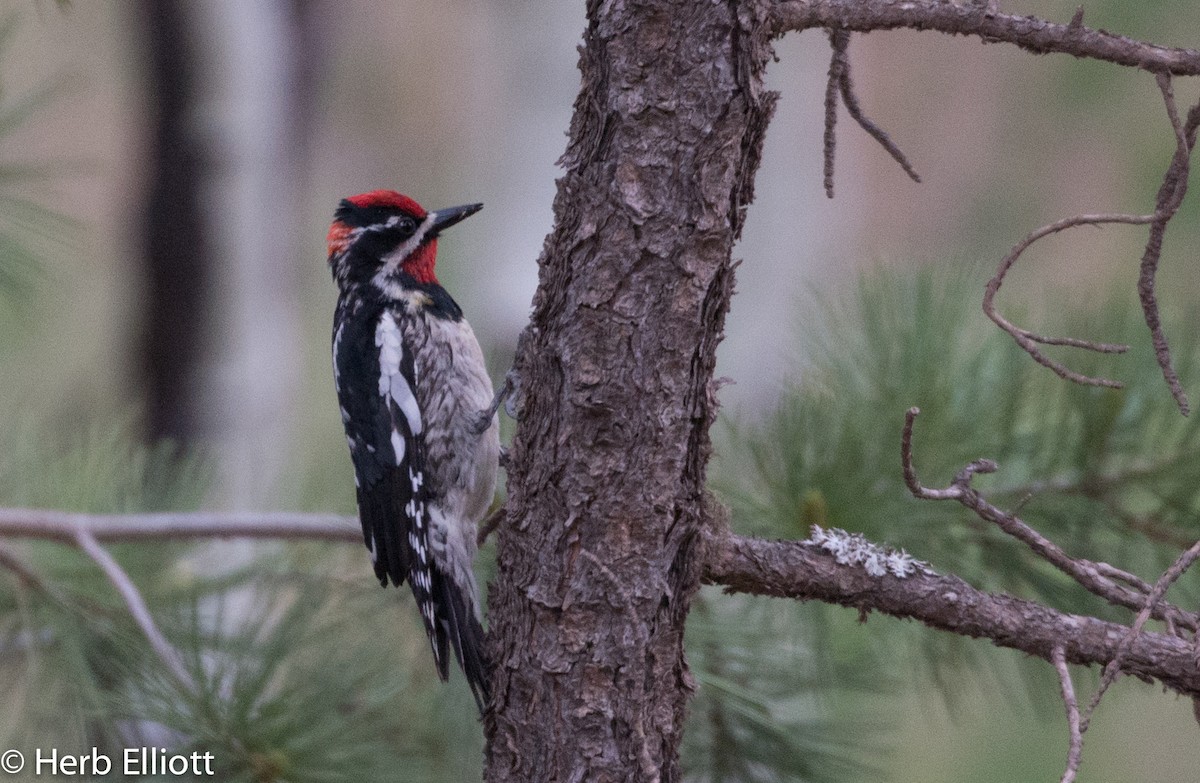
(176, 255)
(599, 556)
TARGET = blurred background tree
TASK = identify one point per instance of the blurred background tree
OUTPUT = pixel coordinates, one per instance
(169, 282)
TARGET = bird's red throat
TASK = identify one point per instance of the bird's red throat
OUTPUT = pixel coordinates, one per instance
(420, 264)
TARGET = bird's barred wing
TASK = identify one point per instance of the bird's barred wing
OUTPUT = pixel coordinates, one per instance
(375, 378)
(394, 497)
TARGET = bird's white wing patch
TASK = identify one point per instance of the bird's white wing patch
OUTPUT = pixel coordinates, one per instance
(337, 344)
(393, 385)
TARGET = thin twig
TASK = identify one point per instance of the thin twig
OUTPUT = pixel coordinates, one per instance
(1058, 657)
(1133, 580)
(1094, 577)
(838, 41)
(854, 109)
(910, 472)
(840, 82)
(1170, 196)
(1028, 340)
(137, 607)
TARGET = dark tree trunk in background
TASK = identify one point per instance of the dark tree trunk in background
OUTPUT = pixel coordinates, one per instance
(231, 94)
(599, 556)
(175, 254)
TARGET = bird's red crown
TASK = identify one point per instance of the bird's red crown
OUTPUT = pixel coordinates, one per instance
(388, 198)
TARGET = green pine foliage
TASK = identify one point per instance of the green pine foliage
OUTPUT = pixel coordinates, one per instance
(28, 230)
(305, 669)
(66, 639)
(1109, 475)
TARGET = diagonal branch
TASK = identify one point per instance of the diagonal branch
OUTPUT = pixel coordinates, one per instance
(794, 569)
(86, 531)
(1113, 668)
(1078, 723)
(1029, 33)
(137, 608)
(855, 110)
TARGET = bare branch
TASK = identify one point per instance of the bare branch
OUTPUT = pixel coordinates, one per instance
(1170, 196)
(954, 491)
(838, 41)
(137, 607)
(1029, 340)
(1096, 578)
(86, 531)
(794, 569)
(854, 108)
(843, 16)
(840, 82)
(63, 526)
(1026, 32)
(1036, 35)
(1058, 657)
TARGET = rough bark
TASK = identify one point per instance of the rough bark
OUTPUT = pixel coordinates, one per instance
(599, 556)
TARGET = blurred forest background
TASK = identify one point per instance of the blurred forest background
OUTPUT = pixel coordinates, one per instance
(167, 173)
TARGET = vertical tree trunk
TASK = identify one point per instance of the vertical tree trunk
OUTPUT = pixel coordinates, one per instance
(597, 559)
(232, 93)
(176, 254)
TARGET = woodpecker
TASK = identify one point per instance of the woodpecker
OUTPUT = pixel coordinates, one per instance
(415, 402)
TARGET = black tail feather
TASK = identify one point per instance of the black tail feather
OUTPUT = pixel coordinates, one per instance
(458, 625)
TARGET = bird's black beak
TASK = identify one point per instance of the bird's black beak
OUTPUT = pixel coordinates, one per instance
(444, 218)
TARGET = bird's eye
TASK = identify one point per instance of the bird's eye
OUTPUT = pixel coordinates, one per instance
(407, 225)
